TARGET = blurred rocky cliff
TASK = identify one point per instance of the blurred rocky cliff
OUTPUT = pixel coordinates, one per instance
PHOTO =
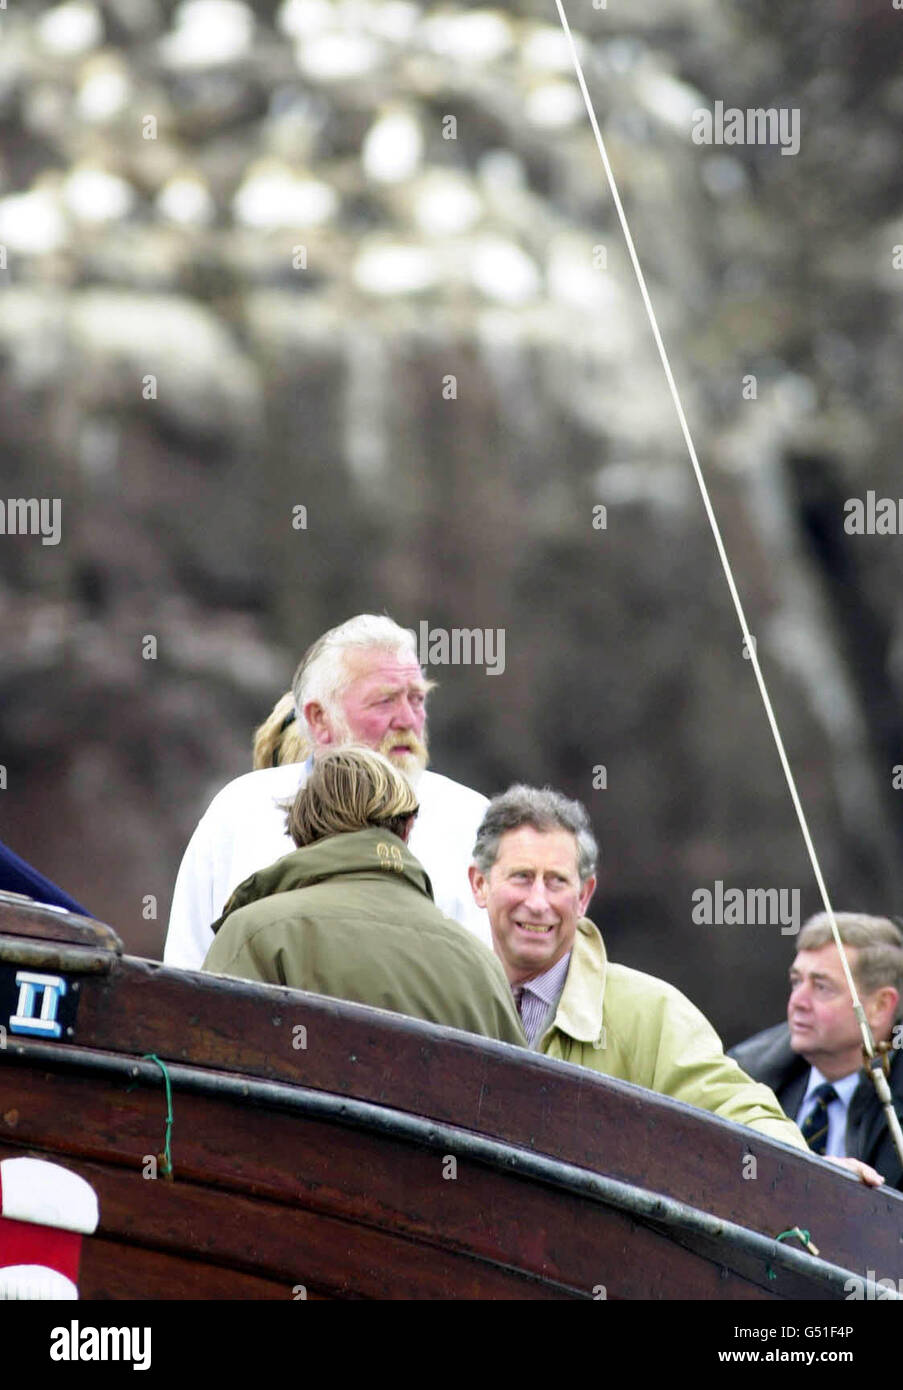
(316, 308)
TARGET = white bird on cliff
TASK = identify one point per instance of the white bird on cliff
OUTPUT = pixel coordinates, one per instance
(93, 194)
(71, 29)
(206, 33)
(393, 146)
(274, 195)
(186, 199)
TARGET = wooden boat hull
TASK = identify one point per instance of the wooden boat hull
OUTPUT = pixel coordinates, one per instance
(323, 1149)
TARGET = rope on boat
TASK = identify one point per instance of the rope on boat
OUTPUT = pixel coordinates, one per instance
(802, 1236)
(166, 1156)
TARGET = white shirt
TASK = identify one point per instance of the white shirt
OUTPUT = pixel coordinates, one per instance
(836, 1141)
(243, 830)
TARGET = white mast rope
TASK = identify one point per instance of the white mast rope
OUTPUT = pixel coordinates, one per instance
(875, 1066)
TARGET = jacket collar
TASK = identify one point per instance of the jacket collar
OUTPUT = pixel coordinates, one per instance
(375, 853)
(579, 1012)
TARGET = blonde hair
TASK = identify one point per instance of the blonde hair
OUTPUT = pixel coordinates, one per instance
(350, 788)
(280, 738)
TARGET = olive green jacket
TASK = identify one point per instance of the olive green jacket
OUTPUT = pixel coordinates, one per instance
(353, 917)
(640, 1029)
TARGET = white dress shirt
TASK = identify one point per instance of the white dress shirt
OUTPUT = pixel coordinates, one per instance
(835, 1144)
(243, 830)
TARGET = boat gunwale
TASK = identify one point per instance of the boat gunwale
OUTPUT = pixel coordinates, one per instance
(645, 1205)
(522, 1100)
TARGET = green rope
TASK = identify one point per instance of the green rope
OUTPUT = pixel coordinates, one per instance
(166, 1156)
(802, 1236)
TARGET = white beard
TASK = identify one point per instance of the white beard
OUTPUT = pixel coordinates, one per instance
(412, 773)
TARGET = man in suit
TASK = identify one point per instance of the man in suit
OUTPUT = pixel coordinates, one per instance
(813, 1062)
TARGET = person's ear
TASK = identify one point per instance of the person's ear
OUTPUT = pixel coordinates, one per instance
(883, 1008)
(317, 722)
(407, 827)
(586, 892)
(478, 885)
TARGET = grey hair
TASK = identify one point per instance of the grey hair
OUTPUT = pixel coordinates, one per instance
(322, 672)
(544, 810)
(879, 948)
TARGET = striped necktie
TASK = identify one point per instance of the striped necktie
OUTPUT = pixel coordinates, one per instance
(518, 993)
(815, 1126)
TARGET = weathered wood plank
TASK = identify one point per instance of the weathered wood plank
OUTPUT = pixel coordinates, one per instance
(374, 1184)
(23, 917)
(290, 1246)
(113, 1270)
(371, 1206)
(581, 1117)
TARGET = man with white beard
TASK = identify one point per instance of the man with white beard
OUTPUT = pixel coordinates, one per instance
(361, 683)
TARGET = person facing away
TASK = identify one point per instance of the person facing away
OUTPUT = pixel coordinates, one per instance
(534, 873)
(814, 1061)
(350, 913)
(359, 683)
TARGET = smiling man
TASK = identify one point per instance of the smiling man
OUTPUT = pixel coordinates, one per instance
(534, 873)
(813, 1062)
(359, 683)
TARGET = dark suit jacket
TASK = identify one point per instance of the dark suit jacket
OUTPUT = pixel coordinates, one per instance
(768, 1057)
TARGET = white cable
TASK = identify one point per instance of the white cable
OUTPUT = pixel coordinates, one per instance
(688, 440)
